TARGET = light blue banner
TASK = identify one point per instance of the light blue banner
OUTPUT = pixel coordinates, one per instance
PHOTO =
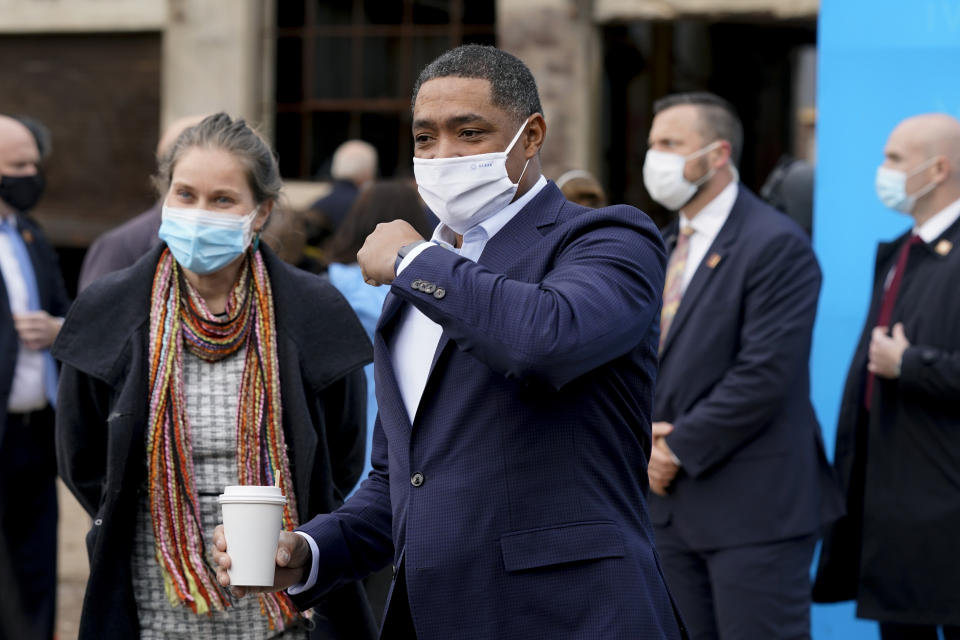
(880, 61)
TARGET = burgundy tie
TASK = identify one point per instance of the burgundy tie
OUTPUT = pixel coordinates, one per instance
(888, 302)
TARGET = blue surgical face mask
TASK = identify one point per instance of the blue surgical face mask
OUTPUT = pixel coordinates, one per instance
(205, 241)
(891, 186)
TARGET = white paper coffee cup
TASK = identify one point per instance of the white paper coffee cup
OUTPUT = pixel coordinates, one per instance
(252, 521)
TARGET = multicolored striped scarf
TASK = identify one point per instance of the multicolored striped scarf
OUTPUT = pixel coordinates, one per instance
(180, 319)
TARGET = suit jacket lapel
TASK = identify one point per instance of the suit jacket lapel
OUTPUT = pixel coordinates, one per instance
(712, 262)
(500, 252)
(391, 305)
(26, 233)
(521, 232)
(389, 398)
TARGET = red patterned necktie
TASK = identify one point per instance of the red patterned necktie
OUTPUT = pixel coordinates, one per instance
(888, 302)
(673, 287)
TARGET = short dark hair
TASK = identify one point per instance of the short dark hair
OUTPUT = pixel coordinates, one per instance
(718, 118)
(41, 135)
(512, 86)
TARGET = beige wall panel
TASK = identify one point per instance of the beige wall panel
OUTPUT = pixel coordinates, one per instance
(50, 16)
(214, 58)
(559, 42)
(625, 10)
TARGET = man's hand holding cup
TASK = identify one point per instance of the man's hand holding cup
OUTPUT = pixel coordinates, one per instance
(293, 562)
(265, 558)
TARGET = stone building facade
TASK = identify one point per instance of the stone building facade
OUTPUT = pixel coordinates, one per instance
(107, 75)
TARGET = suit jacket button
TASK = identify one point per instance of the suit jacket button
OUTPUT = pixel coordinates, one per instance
(416, 479)
(429, 288)
(415, 284)
(439, 293)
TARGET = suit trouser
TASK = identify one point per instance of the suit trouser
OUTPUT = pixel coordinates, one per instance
(398, 622)
(748, 592)
(28, 515)
(897, 631)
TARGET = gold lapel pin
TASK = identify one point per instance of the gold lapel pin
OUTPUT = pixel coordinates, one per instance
(713, 260)
(27, 236)
(944, 247)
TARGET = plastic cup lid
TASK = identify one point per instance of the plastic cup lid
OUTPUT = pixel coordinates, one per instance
(251, 493)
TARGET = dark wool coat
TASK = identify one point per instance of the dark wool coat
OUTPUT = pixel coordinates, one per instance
(896, 552)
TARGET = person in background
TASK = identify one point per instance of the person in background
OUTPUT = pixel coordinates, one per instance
(121, 247)
(515, 360)
(33, 301)
(898, 434)
(382, 201)
(741, 481)
(285, 232)
(207, 363)
(789, 188)
(582, 187)
(354, 165)
(41, 135)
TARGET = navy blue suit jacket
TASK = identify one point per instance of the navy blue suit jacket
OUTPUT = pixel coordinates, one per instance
(734, 381)
(531, 437)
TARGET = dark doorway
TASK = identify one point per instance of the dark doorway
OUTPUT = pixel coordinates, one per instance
(751, 64)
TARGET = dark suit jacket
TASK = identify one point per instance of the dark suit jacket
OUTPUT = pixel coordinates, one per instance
(53, 300)
(528, 517)
(734, 381)
(121, 247)
(103, 412)
(336, 204)
(899, 463)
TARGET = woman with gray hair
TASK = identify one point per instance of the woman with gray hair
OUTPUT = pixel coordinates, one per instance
(207, 363)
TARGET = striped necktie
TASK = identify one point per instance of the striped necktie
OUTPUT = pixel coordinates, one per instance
(673, 288)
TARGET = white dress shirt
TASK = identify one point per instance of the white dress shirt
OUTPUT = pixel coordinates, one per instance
(27, 393)
(706, 225)
(938, 223)
(410, 357)
(411, 360)
(929, 231)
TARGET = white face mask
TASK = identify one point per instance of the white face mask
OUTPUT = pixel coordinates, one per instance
(466, 190)
(891, 186)
(663, 176)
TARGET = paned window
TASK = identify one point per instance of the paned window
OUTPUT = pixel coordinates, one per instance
(345, 69)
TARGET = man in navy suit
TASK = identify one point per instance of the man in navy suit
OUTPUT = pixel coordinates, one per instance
(33, 300)
(738, 468)
(515, 364)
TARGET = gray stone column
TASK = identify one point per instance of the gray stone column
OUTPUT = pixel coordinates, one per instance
(560, 43)
(218, 56)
